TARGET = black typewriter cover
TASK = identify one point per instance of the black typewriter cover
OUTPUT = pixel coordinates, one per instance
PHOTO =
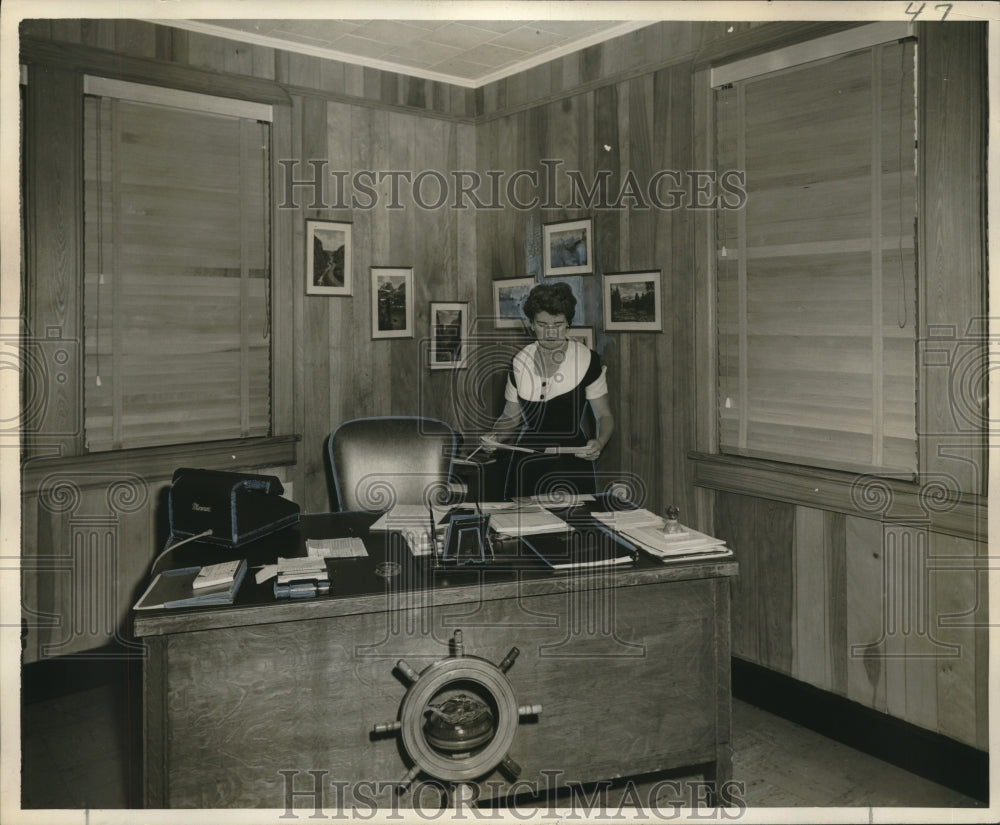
(236, 507)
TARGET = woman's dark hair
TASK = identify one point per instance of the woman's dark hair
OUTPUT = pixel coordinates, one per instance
(555, 299)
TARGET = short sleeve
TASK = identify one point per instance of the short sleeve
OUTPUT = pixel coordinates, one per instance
(510, 391)
(596, 378)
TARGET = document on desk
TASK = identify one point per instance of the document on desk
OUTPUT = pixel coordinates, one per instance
(671, 546)
(629, 519)
(340, 548)
(557, 501)
(526, 520)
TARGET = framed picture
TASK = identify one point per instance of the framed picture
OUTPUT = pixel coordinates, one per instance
(632, 302)
(585, 335)
(392, 302)
(508, 302)
(449, 335)
(328, 258)
(567, 248)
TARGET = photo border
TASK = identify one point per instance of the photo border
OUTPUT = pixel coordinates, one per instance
(548, 229)
(500, 321)
(347, 290)
(462, 306)
(612, 278)
(407, 273)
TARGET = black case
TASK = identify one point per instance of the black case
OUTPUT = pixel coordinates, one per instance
(236, 507)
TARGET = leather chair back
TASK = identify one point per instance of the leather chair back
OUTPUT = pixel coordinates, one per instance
(382, 461)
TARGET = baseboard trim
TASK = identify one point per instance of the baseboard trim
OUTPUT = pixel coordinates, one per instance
(931, 755)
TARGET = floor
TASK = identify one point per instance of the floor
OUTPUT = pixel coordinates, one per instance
(81, 750)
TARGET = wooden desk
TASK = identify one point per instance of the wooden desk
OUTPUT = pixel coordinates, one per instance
(630, 665)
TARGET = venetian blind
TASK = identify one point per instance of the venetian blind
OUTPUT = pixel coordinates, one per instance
(177, 275)
(816, 274)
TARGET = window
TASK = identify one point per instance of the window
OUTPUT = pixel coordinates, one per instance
(177, 268)
(816, 282)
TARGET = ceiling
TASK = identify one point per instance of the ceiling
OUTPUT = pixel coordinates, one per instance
(467, 53)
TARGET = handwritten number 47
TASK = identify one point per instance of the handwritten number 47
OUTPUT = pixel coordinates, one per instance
(916, 13)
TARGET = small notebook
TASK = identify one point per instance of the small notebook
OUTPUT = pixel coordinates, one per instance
(212, 575)
(175, 588)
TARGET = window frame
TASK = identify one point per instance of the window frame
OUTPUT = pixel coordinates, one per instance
(705, 81)
(209, 104)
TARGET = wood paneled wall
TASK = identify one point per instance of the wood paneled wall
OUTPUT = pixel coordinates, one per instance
(340, 371)
(890, 615)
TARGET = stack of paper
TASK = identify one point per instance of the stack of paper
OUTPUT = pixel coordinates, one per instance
(212, 575)
(342, 548)
(301, 577)
(667, 546)
(556, 501)
(526, 520)
(629, 519)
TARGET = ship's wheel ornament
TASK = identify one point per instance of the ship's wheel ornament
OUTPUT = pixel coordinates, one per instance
(458, 717)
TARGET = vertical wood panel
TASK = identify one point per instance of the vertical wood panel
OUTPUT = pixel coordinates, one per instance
(735, 520)
(382, 254)
(53, 297)
(958, 617)
(774, 541)
(952, 286)
(811, 657)
(661, 227)
(865, 609)
(343, 336)
(682, 296)
(315, 392)
(835, 553)
(363, 234)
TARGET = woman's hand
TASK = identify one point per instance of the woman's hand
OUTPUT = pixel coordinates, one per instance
(489, 442)
(591, 451)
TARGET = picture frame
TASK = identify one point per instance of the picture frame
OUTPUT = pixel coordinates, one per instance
(329, 261)
(508, 302)
(585, 335)
(392, 302)
(632, 301)
(568, 248)
(449, 322)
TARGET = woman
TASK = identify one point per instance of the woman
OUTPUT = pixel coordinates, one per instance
(549, 385)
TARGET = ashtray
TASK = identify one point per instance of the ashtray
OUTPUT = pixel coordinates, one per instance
(387, 569)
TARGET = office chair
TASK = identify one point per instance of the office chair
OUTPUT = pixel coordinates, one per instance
(378, 462)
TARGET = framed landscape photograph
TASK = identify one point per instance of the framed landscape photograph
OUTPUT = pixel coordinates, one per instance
(632, 302)
(328, 258)
(392, 302)
(585, 335)
(508, 302)
(567, 248)
(449, 335)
